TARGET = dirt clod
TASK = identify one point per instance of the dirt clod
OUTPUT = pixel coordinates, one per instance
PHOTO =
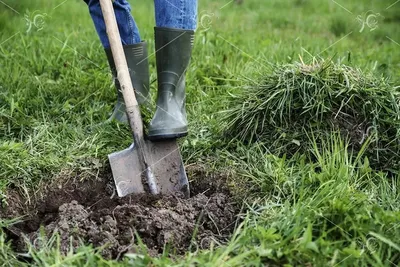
(116, 223)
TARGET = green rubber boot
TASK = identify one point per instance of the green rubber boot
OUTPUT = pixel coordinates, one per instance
(136, 57)
(173, 50)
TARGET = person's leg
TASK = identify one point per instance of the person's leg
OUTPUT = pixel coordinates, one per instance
(126, 24)
(174, 36)
(178, 14)
(135, 52)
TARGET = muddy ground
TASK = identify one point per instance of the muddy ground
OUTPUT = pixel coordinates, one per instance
(90, 212)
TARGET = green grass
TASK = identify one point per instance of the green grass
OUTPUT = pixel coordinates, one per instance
(325, 205)
(295, 99)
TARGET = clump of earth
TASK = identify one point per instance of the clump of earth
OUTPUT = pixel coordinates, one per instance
(89, 212)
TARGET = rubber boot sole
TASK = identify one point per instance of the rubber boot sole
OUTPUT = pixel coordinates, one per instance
(161, 135)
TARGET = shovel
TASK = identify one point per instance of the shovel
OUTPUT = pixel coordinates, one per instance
(144, 167)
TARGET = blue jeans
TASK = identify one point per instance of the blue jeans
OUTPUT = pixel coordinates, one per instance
(179, 14)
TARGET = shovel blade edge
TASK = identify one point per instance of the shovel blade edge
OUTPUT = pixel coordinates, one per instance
(166, 165)
(126, 171)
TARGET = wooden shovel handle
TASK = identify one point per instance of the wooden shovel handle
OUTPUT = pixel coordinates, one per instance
(121, 66)
(132, 106)
(118, 52)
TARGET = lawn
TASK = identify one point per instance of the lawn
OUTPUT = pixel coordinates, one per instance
(300, 192)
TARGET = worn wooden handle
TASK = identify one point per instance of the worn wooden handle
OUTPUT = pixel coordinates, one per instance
(132, 106)
(118, 52)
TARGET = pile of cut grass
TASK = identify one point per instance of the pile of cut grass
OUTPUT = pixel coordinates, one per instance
(293, 101)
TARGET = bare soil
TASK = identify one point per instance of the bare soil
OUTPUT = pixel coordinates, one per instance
(89, 212)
